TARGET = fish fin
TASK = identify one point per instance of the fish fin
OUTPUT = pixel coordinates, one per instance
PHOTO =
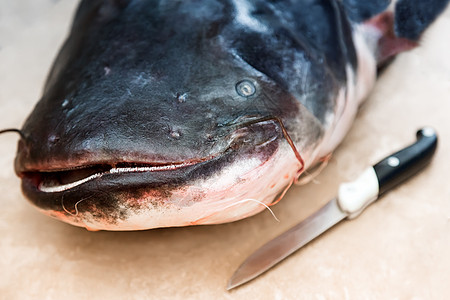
(413, 17)
(401, 29)
(389, 44)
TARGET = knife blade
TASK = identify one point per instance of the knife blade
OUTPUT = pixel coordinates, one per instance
(353, 197)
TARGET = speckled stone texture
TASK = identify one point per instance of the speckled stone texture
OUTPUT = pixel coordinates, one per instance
(398, 249)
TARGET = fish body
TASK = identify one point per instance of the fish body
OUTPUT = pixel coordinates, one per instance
(175, 113)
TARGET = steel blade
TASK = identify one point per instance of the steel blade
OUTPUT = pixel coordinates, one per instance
(287, 243)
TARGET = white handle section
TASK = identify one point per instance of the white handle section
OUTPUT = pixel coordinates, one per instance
(355, 196)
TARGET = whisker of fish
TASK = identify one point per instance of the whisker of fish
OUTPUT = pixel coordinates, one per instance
(311, 175)
(75, 206)
(307, 177)
(63, 207)
(13, 130)
(254, 200)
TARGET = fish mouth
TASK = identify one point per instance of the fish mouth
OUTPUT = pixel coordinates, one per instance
(66, 176)
(60, 180)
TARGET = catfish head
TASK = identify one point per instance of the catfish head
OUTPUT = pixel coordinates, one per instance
(172, 113)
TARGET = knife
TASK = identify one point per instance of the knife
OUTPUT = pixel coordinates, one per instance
(353, 197)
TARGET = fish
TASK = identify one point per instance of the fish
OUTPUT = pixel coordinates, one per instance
(162, 113)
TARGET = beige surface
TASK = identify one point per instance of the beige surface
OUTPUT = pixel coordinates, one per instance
(398, 249)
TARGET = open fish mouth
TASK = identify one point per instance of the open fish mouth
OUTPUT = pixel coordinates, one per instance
(64, 180)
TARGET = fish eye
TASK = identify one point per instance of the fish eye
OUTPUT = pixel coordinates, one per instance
(245, 88)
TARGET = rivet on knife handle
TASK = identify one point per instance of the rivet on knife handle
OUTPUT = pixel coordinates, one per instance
(354, 196)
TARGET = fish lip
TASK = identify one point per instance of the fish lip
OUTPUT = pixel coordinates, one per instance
(41, 179)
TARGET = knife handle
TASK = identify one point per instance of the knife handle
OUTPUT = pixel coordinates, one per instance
(401, 165)
(355, 196)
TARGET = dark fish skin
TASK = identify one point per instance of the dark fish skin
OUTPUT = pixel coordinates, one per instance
(155, 84)
(114, 85)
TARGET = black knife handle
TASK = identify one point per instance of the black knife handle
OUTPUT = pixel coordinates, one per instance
(401, 165)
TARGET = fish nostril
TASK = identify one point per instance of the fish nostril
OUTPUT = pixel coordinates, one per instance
(175, 133)
(53, 139)
(181, 98)
(107, 70)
